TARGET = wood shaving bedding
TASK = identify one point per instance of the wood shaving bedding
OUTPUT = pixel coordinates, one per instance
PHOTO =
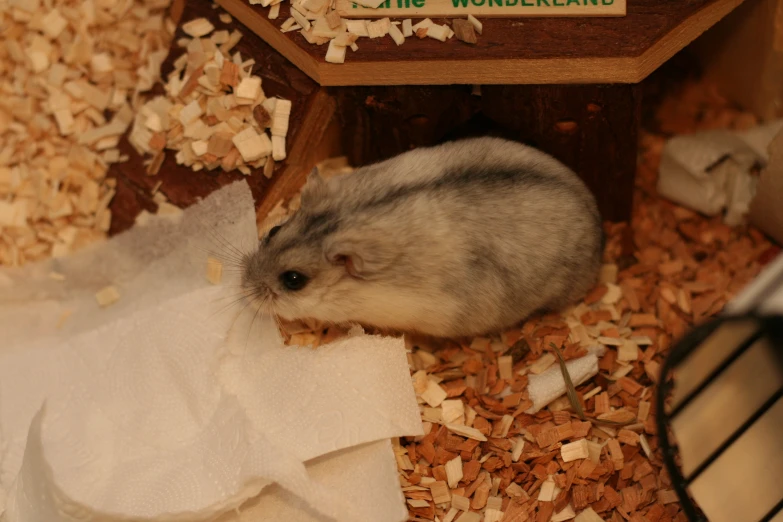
(214, 113)
(71, 77)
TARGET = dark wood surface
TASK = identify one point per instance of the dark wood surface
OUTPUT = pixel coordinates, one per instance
(592, 128)
(380, 122)
(524, 38)
(181, 185)
(510, 51)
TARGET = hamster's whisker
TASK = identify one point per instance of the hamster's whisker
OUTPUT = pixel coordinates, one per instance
(255, 316)
(250, 328)
(266, 305)
(225, 251)
(241, 294)
(276, 317)
(234, 264)
(226, 243)
(228, 259)
(229, 306)
(269, 310)
(241, 311)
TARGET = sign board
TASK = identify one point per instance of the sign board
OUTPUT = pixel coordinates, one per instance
(480, 8)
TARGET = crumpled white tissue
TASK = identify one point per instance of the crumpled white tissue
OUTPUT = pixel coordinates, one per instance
(711, 171)
(166, 407)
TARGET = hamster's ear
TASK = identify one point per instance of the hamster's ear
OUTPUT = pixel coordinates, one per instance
(364, 259)
(315, 188)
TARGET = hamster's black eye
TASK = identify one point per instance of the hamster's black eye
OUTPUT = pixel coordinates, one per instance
(274, 230)
(293, 280)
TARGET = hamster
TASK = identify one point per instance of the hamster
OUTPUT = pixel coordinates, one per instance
(460, 239)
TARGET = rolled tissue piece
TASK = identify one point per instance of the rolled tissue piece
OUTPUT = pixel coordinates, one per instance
(711, 171)
(550, 385)
(165, 407)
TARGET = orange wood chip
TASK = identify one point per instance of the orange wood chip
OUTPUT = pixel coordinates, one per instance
(229, 74)
(545, 510)
(192, 82)
(586, 468)
(480, 496)
(596, 294)
(628, 437)
(643, 320)
(630, 385)
(470, 470)
(616, 454)
(602, 403)
(158, 141)
(427, 450)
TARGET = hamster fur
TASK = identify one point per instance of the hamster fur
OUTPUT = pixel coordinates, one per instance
(460, 239)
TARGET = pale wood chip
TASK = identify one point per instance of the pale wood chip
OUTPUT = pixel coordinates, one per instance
(198, 27)
(542, 363)
(476, 24)
(433, 394)
(107, 296)
(214, 271)
(438, 32)
(575, 451)
(454, 472)
(466, 431)
(588, 515)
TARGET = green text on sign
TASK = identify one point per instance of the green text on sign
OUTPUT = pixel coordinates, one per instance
(485, 8)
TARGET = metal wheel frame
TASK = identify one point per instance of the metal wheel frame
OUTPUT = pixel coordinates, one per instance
(770, 327)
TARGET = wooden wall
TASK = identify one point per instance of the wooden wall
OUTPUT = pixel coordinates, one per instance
(743, 54)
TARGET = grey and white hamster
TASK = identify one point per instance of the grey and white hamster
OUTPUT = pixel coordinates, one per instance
(464, 238)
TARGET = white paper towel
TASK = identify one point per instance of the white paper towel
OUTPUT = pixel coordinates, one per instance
(161, 407)
(366, 474)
